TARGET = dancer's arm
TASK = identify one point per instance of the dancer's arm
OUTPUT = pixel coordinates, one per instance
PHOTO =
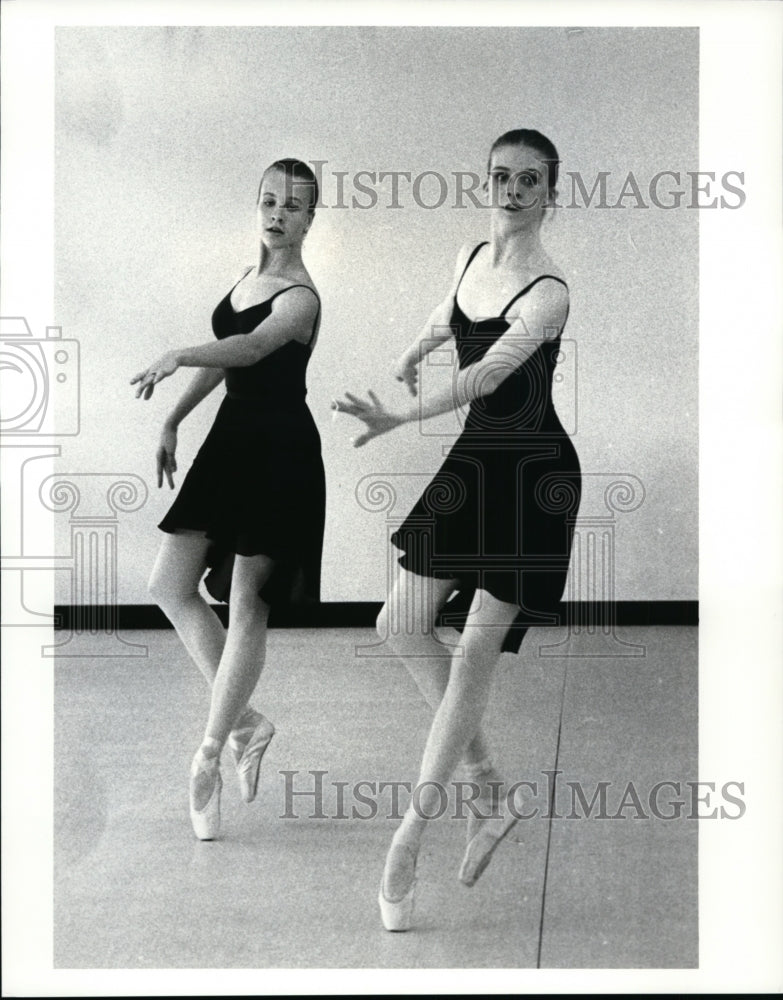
(292, 318)
(538, 318)
(433, 333)
(202, 384)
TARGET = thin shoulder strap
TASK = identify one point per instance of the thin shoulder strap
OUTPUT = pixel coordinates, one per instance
(473, 253)
(242, 278)
(527, 288)
(318, 313)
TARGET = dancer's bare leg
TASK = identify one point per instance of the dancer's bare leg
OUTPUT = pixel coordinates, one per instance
(240, 666)
(407, 622)
(174, 586)
(244, 652)
(454, 726)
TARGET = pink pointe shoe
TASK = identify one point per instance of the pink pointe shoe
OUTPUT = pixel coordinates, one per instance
(397, 914)
(206, 819)
(248, 752)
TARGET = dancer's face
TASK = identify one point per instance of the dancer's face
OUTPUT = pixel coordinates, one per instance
(284, 214)
(517, 186)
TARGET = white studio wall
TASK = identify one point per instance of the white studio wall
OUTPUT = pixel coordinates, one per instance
(161, 138)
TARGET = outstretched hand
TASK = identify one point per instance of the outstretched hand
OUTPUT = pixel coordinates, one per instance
(165, 457)
(373, 414)
(149, 378)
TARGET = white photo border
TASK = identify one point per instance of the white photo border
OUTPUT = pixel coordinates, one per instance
(741, 499)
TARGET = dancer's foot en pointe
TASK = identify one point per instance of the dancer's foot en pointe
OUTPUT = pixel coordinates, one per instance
(205, 787)
(487, 804)
(248, 743)
(398, 884)
(484, 838)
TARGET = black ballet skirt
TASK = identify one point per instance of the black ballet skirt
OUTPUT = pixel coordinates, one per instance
(257, 484)
(499, 514)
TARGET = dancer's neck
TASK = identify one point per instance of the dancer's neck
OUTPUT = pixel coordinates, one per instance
(279, 262)
(522, 246)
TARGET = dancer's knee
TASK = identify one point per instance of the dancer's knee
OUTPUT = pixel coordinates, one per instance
(407, 619)
(402, 630)
(383, 621)
(250, 576)
(168, 593)
(247, 610)
(387, 624)
(157, 590)
(481, 648)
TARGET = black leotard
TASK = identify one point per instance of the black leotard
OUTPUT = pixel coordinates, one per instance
(499, 514)
(257, 484)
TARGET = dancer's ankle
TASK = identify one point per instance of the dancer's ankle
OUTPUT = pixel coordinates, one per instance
(410, 831)
(477, 767)
(249, 719)
(210, 747)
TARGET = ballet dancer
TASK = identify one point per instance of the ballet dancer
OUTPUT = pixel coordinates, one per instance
(495, 559)
(250, 511)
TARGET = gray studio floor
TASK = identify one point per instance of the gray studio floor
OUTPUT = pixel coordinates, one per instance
(134, 889)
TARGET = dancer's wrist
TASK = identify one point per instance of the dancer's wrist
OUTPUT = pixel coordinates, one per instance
(408, 415)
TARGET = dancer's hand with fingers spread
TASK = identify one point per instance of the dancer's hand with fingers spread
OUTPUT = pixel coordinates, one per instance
(406, 370)
(166, 455)
(376, 417)
(149, 378)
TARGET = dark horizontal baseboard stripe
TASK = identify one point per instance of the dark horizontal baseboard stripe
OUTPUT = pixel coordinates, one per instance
(359, 614)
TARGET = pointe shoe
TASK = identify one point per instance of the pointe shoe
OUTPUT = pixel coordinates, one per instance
(206, 821)
(248, 754)
(487, 802)
(397, 914)
(482, 845)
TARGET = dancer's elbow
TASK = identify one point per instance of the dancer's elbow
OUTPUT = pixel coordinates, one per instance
(484, 379)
